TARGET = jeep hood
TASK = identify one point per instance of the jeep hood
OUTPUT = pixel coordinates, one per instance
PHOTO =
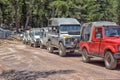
(36, 36)
(70, 32)
(112, 39)
(68, 35)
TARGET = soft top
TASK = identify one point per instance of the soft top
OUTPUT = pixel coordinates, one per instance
(63, 21)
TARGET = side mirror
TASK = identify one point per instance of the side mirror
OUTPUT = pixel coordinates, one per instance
(98, 35)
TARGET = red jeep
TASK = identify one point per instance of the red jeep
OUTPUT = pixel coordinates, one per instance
(101, 39)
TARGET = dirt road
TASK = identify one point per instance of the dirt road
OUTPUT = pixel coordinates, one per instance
(21, 62)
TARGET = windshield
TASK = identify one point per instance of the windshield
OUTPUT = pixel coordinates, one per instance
(70, 28)
(37, 33)
(112, 31)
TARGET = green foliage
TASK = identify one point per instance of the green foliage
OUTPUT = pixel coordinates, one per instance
(118, 11)
(35, 13)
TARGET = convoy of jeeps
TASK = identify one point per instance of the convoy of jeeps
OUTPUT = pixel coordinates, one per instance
(93, 39)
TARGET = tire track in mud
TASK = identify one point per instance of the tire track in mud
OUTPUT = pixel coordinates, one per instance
(32, 57)
(42, 60)
(92, 69)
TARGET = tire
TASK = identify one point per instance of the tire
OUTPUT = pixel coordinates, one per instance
(49, 47)
(110, 61)
(41, 46)
(85, 57)
(23, 42)
(26, 42)
(31, 44)
(34, 45)
(62, 50)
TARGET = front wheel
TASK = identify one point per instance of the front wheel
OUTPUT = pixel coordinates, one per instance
(31, 44)
(110, 61)
(49, 47)
(85, 57)
(23, 42)
(41, 45)
(62, 51)
(34, 45)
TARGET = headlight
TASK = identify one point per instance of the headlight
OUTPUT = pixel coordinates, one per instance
(68, 40)
(37, 39)
(67, 36)
(119, 48)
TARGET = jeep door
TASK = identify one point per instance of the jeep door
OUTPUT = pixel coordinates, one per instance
(44, 38)
(96, 40)
(55, 37)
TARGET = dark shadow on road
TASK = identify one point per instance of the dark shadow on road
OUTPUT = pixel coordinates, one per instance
(76, 54)
(118, 67)
(101, 63)
(69, 54)
(31, 75)
(97, 63)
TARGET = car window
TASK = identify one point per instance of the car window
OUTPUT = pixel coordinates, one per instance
(112, 31)
(86, 32)
(70, 28)
(98, 31)
(37, 33)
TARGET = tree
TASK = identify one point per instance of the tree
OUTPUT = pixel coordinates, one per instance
(15, 6)
(35, 13)
(118, 11)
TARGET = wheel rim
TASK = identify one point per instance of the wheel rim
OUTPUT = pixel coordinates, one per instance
(30, 44)
(34, 45)
(60, 50)
(40, 45)
(108, 60)
(84, 55)
(49, 48)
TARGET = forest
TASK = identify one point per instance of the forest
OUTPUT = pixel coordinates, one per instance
(36, 13)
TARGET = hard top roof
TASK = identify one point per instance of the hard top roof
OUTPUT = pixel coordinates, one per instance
(101, 23)
(35, 28)
(104, 23)
(90, 26)
(63, 21)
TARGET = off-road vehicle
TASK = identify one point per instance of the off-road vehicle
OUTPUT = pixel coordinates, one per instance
(44, 37)
(35, 37)
(64, 35)
(26, 37)
(101, 39)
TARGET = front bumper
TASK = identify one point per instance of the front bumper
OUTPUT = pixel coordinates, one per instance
(72, 42)
(72, 46)
(117, 55)
(37, 43)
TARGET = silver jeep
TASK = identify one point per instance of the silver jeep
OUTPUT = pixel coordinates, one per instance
(35, 37)
(64, 35)
(44, 37)
(26, 37)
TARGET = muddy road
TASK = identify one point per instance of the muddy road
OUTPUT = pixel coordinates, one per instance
(22, 62)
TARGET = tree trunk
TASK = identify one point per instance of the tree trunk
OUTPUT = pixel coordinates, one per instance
(29, 14)
(16, 19)
(15, 6)
(27, 21)
(3, 13)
